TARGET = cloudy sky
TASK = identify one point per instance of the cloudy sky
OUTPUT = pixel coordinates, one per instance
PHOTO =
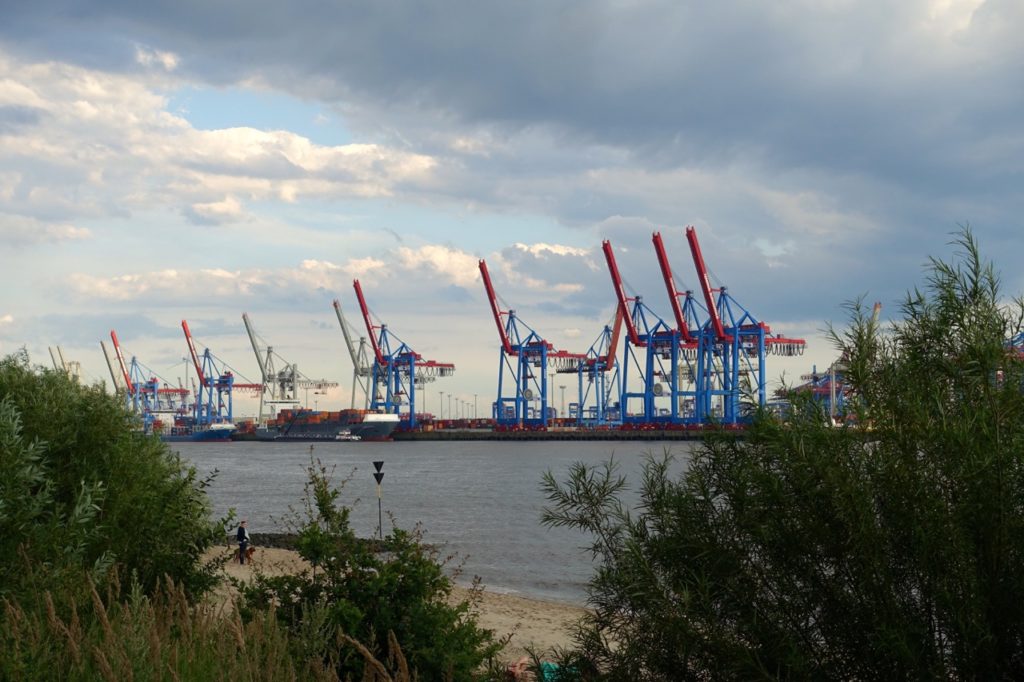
(174, 160)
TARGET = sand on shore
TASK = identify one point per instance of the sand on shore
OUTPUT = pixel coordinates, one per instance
(535, 623)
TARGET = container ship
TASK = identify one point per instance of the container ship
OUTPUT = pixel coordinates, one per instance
(184, 429)
(311, 425)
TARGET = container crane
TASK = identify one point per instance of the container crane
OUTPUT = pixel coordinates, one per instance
(362, 370)
(280, 386)
(118, 386)
(145, 396)
(732, 346)
(397, 367)
(524, 360)
(214, 396)
(71, 368)
(652, 355)
(599, 376)
(687, 320)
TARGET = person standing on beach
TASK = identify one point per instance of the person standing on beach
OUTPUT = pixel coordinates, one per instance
(243, 541)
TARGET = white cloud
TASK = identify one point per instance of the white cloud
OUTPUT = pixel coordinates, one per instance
(216, 212)
(16, 230)
(543, 250)
(6, 319)
(149, 57)
(455, 266)
(89, 143)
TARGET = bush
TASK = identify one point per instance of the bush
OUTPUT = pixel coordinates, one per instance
(364, 595)
(82, 489)
(888, 548)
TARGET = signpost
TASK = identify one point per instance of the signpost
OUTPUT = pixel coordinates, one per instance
(379, 476)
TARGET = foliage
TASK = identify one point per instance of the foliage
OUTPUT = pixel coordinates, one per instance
(136, 637)
(80, 487)
(888, 548)
(365, 594)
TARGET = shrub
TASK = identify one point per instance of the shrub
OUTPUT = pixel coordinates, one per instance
(365, 594)
(80, 487)
(888, 548)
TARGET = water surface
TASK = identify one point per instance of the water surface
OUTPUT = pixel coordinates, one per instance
(479, 499)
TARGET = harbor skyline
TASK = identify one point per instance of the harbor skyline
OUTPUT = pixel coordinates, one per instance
(164, 162)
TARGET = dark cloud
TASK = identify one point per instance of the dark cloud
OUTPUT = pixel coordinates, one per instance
(833, 146)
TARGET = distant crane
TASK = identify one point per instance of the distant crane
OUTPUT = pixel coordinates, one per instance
(144, 396)
(652, 355)
(732, 346)
(114, 376)
(362, 370)
(72, 368)
(598, 378)
(397, 367)
(214, 402)
(524, 359)
(280, 386)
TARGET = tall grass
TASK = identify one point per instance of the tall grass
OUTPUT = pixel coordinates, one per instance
(162, 637)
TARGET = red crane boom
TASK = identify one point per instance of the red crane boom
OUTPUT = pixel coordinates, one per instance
(670, 285)
(506, 343)
(705, 284)
(195, 356)
(620, 294)
(120, 361)
(377, 353)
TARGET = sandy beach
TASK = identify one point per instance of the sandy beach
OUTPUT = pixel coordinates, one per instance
(536, 623)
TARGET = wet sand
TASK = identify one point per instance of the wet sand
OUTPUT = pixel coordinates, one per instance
(536, 623)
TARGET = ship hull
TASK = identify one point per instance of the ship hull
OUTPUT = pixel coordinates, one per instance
(308, 426)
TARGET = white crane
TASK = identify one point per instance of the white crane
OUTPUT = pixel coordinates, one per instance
(280, 387)
(362, 371)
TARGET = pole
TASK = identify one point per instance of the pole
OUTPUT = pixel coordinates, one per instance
(379, 476)
(474, 406)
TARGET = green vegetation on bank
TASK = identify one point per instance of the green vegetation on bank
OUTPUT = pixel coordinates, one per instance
(102, 534)
(890, 548)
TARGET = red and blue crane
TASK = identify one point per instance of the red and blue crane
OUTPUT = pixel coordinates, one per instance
(143, 393)
(654, 357)
(397, 368)
(524, 360)
(215, 388)
(732, 346)
(599, 381)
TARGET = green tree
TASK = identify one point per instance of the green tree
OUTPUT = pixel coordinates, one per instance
(82, 489)
(363, 590)
(888, 548)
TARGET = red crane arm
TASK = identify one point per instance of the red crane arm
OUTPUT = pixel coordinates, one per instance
(506, 343)
(705, 284)
(377, 353)
(620, 293)
(613, 344)
(120, 360)
(195, 357)
(670, 286)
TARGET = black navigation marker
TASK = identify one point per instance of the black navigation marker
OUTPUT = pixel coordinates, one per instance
(379, 476)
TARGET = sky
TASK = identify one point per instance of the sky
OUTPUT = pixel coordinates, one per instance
(174, 160)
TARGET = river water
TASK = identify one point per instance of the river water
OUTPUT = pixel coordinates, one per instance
(481, 500)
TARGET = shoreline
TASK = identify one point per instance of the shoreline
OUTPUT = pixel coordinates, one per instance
(528, 622)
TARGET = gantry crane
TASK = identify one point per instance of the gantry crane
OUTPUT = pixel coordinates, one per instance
(280, 386)
(652, 356)
(71, 368)
(144, 396)
(732, 346)
(397, 368)
(525, 358)
(362, 370)
(214, 402)
(598, 378)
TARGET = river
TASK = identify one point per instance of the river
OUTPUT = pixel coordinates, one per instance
(481, 500)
